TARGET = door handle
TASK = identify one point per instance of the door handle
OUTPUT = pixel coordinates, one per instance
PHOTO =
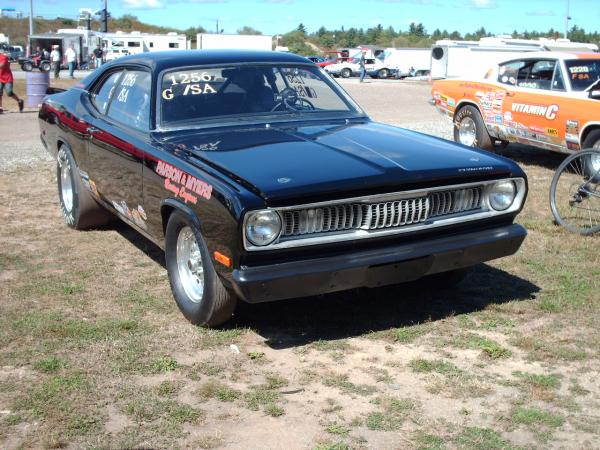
(92, 130)
(510, 94)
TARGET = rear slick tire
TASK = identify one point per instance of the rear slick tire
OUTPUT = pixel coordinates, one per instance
(79, 209)
(197, 289)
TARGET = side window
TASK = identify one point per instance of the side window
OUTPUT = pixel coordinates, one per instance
(508, 72)
(536, 75)
(101, 96)
(131, 103)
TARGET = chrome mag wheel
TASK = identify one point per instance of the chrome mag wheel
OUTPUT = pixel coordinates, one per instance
(467, 131)
(189, 264)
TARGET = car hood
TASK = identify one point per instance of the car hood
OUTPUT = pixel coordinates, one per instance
(314, 161)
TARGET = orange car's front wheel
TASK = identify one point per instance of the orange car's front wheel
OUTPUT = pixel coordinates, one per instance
(470, 130)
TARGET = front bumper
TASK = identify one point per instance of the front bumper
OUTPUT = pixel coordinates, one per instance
(373, 268)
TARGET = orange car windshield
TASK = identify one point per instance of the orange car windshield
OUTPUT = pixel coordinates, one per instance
(583, 72)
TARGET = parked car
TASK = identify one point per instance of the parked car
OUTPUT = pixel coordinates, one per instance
(263, 180)
(316, 59)
(550, 100)
(351, 68)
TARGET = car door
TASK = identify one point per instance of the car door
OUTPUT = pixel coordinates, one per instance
(118, 135)
(531, 105)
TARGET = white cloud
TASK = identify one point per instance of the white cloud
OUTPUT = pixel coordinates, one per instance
(483, 4)
(541, 13)
(143, 4)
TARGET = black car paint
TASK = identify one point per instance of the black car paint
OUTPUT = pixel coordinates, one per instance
(307, 161)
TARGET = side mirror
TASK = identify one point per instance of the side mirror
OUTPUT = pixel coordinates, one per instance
(595, 94)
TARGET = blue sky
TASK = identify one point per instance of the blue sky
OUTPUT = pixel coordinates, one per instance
(280, 16)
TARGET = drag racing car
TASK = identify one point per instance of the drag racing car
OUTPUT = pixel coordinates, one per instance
(549, 100)
(263, 180)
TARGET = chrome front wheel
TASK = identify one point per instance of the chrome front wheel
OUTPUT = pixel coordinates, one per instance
(189, 265)
(467, 132)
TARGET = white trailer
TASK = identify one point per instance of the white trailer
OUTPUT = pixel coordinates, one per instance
(136, 42)
(234, 41)
(89, 40)
(403, 62)
(451, 59)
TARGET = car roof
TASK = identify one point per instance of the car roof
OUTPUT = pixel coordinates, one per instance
(181, 58)
(556, 55)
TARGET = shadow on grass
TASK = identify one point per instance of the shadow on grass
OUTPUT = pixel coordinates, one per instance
(297, 322)
(525, 154)
(153, 251)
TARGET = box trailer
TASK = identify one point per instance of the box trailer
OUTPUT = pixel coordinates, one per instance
(234, 41)
(404, 62)
(63, 40)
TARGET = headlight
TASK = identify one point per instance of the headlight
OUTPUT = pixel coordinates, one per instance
(262, 227)
(502, 195)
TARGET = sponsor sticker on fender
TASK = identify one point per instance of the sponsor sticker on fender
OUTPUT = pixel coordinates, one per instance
(549, 111)
(182, 184)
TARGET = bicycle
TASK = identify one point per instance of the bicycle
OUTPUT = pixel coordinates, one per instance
(575, 192)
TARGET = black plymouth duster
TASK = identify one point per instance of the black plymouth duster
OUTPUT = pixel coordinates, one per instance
(263, 180)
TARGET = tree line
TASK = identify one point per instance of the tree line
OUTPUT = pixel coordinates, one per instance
(299, 40)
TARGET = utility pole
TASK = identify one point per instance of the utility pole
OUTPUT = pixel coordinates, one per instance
(104, 18)
(30, 17)
(217, 26)
(567, 18)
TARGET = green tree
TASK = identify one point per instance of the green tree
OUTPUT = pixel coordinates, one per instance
(248, 30)
(301, 28)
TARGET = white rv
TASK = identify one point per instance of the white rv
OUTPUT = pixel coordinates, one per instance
(451, 59)
(136, 42)
(234, 41)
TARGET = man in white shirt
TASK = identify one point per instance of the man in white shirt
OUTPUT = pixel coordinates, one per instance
(71, 56)
(55, 60)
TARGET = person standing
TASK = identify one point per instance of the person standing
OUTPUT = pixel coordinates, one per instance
(55, 60)
(361, 63)
(98, 55)
(6, 81)
(71, 56)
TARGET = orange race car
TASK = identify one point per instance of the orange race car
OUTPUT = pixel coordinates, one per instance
(549, 100)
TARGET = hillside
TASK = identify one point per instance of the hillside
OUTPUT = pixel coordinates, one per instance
(18, 29)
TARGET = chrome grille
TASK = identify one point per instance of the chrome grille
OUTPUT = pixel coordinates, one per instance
(450, 202)
(381, 215)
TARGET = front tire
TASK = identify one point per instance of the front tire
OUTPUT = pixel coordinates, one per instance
(470, 130)
(383, 74)
(346, 73)
(80, 211)
(27, 66)
(44, 66)
(196, 287)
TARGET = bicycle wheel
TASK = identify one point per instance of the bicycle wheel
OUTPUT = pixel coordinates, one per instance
(575, 193)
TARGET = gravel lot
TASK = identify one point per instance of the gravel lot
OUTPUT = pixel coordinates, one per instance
(398, 103)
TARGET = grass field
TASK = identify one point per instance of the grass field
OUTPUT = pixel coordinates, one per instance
(95, 354)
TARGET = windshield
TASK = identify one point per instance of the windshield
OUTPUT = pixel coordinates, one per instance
(583, 73)
(197, 95)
